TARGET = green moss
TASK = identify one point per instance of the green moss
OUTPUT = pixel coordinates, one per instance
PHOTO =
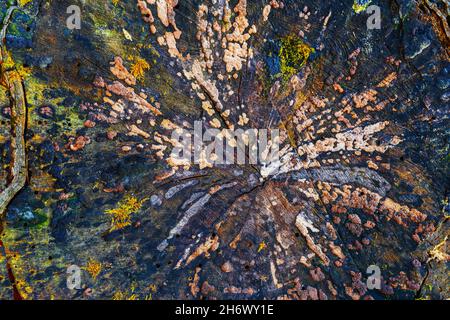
(43, 218)
(294, 54)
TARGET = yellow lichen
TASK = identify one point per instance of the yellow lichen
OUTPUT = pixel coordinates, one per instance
(21, 72)
(139, 68)
(23, 3)
(262, 246)
(361, 5)
(20, 270)
(294, 54)
(439, 252)
(8, 61)
(120, 295)
(121, 216)
(24, 72)
(152, 287)
(94, 268)
(24, 289)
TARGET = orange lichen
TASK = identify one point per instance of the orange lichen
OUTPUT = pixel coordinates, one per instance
(94, 268)
(194, 284)
(210, 245)
(139, 68)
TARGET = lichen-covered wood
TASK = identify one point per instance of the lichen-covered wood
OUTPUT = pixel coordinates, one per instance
(88, 177)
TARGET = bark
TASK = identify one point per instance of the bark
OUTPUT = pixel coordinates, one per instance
(13, 83)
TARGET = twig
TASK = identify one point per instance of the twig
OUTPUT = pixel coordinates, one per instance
(9, 13)
(13, 82)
